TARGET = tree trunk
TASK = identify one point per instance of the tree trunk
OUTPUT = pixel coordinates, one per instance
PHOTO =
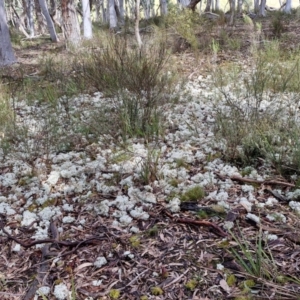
(240, 6)
(112, 14)
(146, 8)
(193, 4)
(53, 13)
(256, 6)
(232, 11)
(288, 6)
(262, 8)
(20, 24)
(97, 5)
(163, 7)
(217, 5)
(104, 12)
(50, 24)
(7, 56)
(70, 22)
(41, 24)
(208, 6)
(137, 24)
(122, 12)
(87, 24)
(30, 17)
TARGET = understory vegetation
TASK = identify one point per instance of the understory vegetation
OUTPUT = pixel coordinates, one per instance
(253, 83)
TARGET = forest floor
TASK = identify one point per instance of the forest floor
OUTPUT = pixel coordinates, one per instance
(104, 222)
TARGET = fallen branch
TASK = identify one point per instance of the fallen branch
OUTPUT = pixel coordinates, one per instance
(250, 180)
(76, 244)
(217, 230)
(43, 268)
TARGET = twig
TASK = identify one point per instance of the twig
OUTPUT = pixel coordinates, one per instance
(52, 241)
(217, 230)
(176, 279)
(249, 180)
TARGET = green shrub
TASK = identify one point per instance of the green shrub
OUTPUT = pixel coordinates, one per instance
(135, 82)
(258, 121)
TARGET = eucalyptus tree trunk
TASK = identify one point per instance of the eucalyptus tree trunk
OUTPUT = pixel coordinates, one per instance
(232, 11)
(41, 24)
(104, 12)
(137, 24)
(20, 23)
(122, 12)
(7, 56)
(53, 13)
(193, 3)
(262, 8)
(240, 6)
(208, 6)
(185, 3)
(288, 6)
(112, 14)
(146, 8)
(30, 5)
(163, 7)
(97, 6)
(71, 27)
(217, 5)
(86, 16)
(50, 24)
(256, 6)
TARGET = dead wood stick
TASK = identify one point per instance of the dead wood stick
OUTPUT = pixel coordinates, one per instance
(90, 240)
(250, 180)
(217, 230)
(273, 182)
(44, 266)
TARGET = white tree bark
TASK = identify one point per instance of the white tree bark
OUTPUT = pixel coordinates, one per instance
(256, 6)
(112, 14)
(86, 16)
(7, 56)
(240, 6)
(208, 6)
(262, 8)
(232, 11)
(288, 6)
(30, 4)
(147, 8)
(50, 24)
(137, 24)
(163, 7)
(122, 12)
(184, 3)
(70, 22)
(217, 5)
